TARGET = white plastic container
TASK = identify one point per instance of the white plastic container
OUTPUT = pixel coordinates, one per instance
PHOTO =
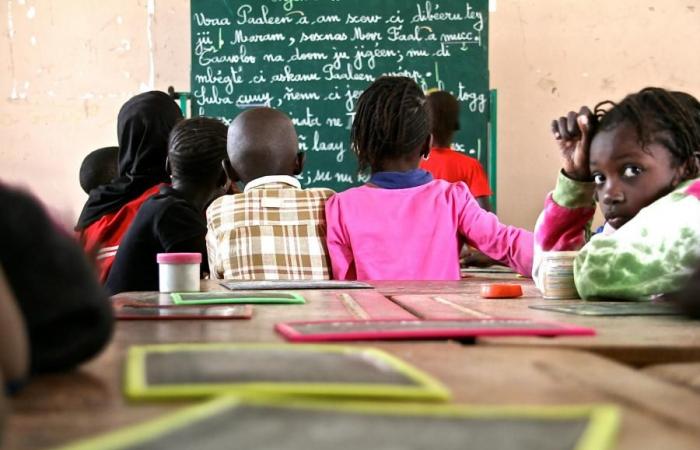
(558, 270)
(178, 272)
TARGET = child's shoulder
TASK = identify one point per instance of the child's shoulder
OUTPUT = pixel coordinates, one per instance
(319, 192)
(689, 189)
(430, 188)
(692, 188)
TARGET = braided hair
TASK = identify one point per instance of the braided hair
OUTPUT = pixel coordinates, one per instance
(196, 148)
(390, 121)
(668, 118)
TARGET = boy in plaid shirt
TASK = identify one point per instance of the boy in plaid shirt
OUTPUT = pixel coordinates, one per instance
(273, 230)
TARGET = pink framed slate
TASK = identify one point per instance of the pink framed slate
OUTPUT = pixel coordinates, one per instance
(355, 330)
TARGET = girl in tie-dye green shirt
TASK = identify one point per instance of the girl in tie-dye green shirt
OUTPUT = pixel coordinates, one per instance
(639, 158)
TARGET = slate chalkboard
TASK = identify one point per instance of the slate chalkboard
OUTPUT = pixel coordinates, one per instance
(313, 58)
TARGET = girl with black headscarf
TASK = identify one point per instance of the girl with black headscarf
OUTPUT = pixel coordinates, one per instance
(143, 126)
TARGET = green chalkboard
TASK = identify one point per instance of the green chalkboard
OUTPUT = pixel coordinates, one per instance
(313, 58)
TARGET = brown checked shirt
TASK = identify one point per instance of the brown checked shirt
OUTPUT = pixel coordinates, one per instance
(274, 230)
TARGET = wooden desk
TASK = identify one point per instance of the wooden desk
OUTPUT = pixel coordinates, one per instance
(682, 374)
(635, 340)
(55, 410)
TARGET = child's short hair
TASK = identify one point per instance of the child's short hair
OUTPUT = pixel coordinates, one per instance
(668, 118)
(444, 115)
(99, 167)
(196, 148)
(390, 120)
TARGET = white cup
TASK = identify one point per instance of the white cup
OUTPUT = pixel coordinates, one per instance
(178, 272)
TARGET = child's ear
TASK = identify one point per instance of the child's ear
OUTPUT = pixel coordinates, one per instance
(689, 169)
(299, 164)
(229, 171)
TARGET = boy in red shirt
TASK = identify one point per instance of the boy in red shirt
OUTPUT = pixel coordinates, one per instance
(445, 163)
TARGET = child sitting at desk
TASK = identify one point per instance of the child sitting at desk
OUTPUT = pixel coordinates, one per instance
(403, 225)
(173, 221)
(143, 126)
(274, 230)
(640, 159)
(447, 164)
(66, 312)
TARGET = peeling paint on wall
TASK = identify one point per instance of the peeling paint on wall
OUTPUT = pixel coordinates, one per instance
(11, 36)
(10, 22)
(151, 9)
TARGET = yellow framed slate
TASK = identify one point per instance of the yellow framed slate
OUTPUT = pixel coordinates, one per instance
(200, 370)
(313, 425)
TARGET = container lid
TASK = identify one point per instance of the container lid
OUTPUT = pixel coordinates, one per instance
(179, 258)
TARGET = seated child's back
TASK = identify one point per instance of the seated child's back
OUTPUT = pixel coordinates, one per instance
(447, 164)
(143, 125)
(67, 314)
(274, 230)
(173, 220)
(403, 224)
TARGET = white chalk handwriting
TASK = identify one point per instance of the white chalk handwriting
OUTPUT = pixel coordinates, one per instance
(314, 58)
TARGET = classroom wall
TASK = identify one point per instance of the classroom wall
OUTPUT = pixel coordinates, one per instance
(70, 64)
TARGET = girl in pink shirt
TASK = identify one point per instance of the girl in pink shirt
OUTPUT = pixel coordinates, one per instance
(403, 225)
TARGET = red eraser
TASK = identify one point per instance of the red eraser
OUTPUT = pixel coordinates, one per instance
(497, 290)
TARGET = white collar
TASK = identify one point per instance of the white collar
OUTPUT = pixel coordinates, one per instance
(286, 179)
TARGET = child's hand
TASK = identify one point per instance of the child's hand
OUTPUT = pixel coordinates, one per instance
(573, 133)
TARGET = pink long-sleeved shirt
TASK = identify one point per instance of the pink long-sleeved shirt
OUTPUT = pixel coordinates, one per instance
(416, 233)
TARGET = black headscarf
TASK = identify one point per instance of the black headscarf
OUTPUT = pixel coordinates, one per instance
(143, 126)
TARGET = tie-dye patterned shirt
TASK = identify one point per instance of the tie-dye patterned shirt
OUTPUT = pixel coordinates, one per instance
(654, 253)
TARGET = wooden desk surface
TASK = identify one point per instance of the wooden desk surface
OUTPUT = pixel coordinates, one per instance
(635, 340)
(55, 410)
(682, 374)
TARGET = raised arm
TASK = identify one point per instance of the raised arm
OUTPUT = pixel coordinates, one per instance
(564, 223)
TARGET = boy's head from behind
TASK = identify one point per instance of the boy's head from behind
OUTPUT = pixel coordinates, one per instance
(391, 123)
(262, 142)
(643, 147)
(444, 117)
(195, 149)
(99, 167)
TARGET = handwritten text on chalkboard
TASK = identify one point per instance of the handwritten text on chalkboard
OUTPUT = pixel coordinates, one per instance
(313, 58)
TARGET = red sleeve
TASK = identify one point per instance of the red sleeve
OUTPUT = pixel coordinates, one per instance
(478, 183)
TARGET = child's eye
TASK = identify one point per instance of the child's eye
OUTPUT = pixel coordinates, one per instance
(631, 171)
(598, 178)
